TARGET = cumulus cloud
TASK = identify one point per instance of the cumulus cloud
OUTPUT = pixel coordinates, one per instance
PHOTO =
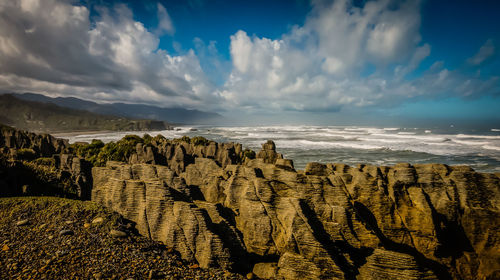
(486, 51)
(342, 56)
(53, 48)
(319, 66)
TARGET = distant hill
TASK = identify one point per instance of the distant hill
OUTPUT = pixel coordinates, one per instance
(48, 117)
(173, 115)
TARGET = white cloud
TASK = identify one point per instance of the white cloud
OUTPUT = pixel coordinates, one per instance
(55, 49)
(486, 51)
(321, 63)
(342, 56)
(241, 50)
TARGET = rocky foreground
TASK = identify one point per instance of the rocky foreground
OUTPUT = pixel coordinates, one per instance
(56, 238)
(219, 205)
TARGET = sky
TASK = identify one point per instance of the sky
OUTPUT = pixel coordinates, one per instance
(318, 62)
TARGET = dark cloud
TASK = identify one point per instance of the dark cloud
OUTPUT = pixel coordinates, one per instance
(55, 47)
(52, 45)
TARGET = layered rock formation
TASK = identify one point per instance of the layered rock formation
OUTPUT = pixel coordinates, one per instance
(220, 208)
(177, 154)
(220, 205)
(43, 145)
(38, 164)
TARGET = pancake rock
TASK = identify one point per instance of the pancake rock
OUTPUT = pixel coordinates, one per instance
(39, 164)
(329, 221)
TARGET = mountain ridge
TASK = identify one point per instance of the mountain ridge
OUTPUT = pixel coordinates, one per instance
(141, 111)
(49, 117)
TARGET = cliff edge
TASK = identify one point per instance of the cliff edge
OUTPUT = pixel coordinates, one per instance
(220, 205)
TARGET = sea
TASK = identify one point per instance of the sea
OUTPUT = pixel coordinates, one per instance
(349, 144)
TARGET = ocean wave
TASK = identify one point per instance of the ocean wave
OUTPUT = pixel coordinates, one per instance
(323, 144)
(383, 140)
(489, 147)
(471, 143)
(478, 136)
(415, 137)
(346, 143)
(495, 129)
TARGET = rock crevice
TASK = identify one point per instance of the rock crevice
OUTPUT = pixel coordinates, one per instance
(427, 221)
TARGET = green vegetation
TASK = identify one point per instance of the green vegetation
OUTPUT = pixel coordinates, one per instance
(48, 117)
(147, 139)
(249, 154)
(43, 161)
(197, 140)
(26, 154)
(88, 151)
(98, 153)
(183, 139)
(200, 141)
(46, 175)
(159, 138)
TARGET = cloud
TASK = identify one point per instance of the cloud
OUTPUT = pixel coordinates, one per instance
(165, 24)
(214, 64)
(486, 51)
(343, 56)
(53, 48)
(319, 66)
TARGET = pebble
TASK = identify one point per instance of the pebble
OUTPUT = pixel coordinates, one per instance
(62, 253)
(22, 222)
(98, 220)
(66, 232)
(250, 275)
(90, 253)
(117, 233)
(69, 222)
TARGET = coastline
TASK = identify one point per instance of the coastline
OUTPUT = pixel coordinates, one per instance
(346, 144)
(170, 188)
(77, 133)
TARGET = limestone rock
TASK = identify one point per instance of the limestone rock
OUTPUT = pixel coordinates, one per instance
(331, 221)
(265, 270)
(98, 220)
(268, 152)
(383, 264)
(22, 222)
(66, 232)
(117, 233)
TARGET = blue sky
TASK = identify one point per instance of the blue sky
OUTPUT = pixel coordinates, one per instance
(315, 59)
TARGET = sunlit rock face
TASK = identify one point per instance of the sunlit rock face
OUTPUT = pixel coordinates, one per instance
(216, 207)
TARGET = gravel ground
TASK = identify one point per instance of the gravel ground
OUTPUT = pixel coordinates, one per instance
(55, 238)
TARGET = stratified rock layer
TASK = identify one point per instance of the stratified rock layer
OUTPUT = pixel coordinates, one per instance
(428, 221)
